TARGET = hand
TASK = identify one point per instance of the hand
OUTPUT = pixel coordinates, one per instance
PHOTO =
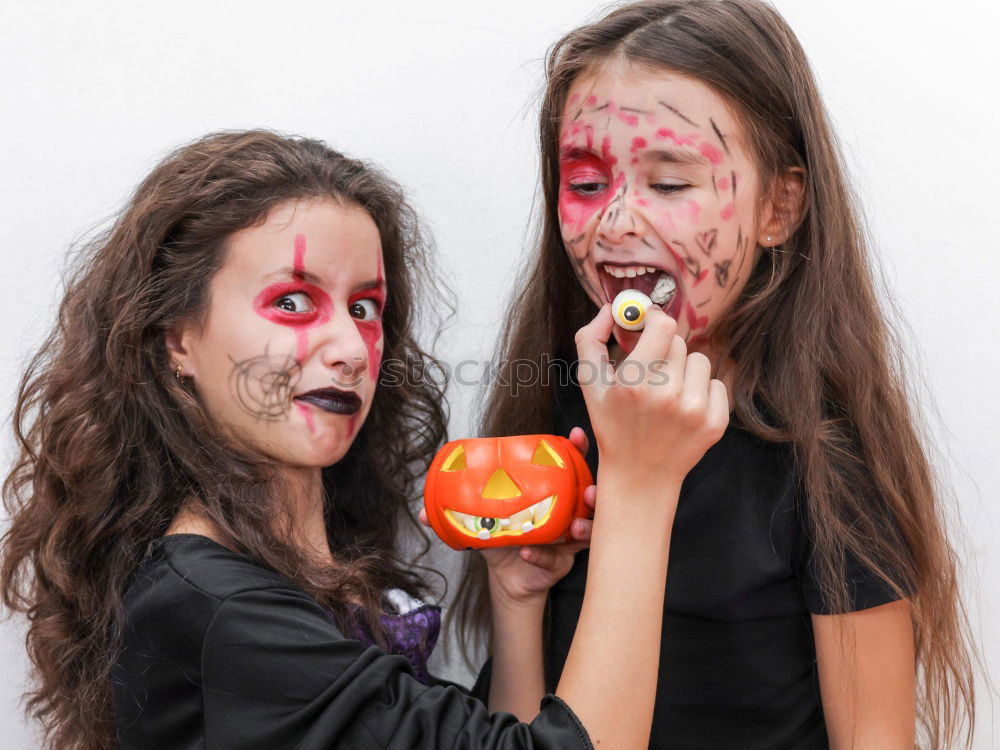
(656, 415)
(521, 575)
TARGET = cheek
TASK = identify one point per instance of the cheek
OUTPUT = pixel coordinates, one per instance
(371, 333)
(576, 210)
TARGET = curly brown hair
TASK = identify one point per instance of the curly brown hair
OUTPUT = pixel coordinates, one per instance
(808, 334)
(111, 443)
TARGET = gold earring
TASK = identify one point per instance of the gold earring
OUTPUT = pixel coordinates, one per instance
(177, 374)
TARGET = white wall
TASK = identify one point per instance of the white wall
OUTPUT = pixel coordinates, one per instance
(442, 95)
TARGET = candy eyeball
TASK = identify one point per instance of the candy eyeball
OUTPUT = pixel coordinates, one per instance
(629, 309)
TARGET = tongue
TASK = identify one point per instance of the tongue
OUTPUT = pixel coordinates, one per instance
(645, 283)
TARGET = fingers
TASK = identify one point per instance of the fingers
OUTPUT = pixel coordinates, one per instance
(676, 361)
(422, 517)
(550, 557)
(655, 339)
(590, 496)
(694, 391)
(718, 406)
(579, 440)
(592, 349)
(580, 529)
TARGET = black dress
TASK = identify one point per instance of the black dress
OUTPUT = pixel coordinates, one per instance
(738, 661)
(221, 652)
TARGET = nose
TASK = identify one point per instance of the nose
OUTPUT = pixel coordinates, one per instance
(342, 349)
(621, 218)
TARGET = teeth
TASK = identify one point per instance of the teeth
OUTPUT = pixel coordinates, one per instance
(541, 510)
(628, 272)
(664, 290)
(520, 517)
(525, 520)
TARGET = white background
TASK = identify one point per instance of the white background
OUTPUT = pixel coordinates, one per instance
(443, 96)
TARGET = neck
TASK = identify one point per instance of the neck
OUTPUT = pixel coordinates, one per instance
(303, 496)
(301, 493)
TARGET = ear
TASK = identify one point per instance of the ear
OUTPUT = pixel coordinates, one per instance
(784, 208)
(179, 339)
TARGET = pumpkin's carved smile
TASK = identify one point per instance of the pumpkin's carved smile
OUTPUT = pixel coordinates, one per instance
(488, 527)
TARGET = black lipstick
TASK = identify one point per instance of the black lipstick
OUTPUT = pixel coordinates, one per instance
(332, 400)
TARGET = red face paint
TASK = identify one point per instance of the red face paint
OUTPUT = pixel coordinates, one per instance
(666, 134)
(308, 415)
(628, 118)
(609, 159)
(711, 153)
(693, 210)
(694, 322)
(301, 322)
(371, 330)
(579, 169)
(727, 212)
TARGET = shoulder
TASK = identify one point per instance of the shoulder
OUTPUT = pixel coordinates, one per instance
(201, 564)
(185, 579)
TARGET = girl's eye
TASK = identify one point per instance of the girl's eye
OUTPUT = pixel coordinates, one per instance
(587, 188)
(296, 302)
(668, 188)
(364, 309)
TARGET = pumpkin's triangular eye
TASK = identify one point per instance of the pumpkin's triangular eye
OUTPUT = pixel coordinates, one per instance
(456, 461)
(545, 455)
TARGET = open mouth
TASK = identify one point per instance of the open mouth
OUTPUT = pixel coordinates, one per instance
(332, 400)
(617, 277)
(485, 527)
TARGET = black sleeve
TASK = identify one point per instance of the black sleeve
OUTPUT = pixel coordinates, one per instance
(865, 589)
(278, 674)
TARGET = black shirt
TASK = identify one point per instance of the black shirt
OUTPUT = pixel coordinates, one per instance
(221, 652)
(737, 661)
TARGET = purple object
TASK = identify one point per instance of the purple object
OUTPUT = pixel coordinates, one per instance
(411, 632)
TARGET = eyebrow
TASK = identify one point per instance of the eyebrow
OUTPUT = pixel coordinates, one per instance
(303, 275)
(665, 155)
(675, 156)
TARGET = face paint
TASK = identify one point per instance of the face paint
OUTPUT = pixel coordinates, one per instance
(659, 193)
(300, 322)
(299, 316)
(370, 328)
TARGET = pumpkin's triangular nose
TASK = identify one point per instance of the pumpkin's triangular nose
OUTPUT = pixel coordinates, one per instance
(500, 487)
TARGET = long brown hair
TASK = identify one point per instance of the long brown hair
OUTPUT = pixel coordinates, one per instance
(111, 442)
(808, 335)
